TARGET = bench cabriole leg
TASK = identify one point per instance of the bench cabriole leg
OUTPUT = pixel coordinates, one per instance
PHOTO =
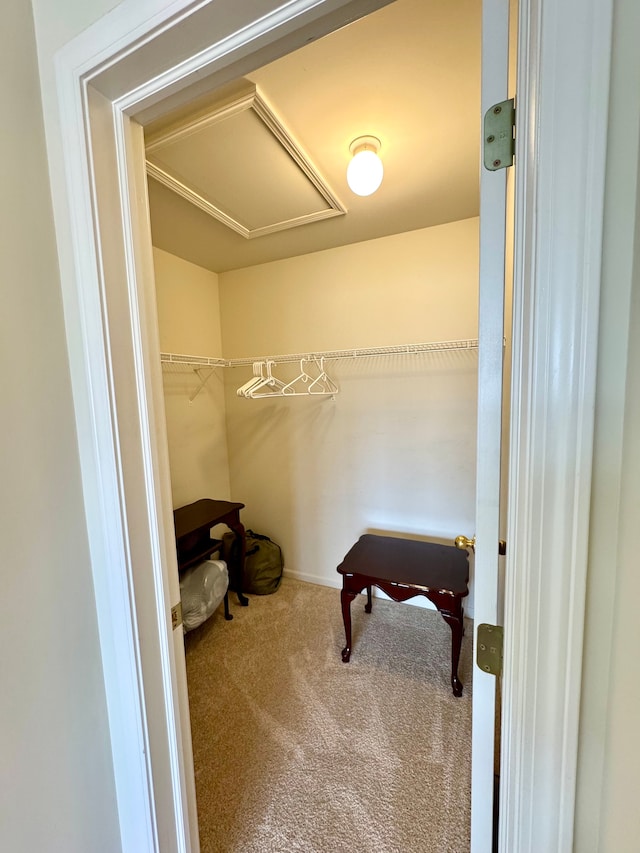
(346, 598)
(454, 621)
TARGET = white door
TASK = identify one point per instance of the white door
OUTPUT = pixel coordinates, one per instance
(493, 187)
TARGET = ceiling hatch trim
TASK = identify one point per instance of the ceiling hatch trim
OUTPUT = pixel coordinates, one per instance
(275, 188)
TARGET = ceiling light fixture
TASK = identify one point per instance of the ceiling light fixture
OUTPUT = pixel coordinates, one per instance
(364, 172)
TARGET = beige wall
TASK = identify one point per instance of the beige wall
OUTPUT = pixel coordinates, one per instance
(396, 450)
(56, 775)
(189, 323)
(395, 290)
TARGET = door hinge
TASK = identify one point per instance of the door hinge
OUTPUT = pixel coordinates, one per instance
(499, 135)
(176, 615)
(489, 651)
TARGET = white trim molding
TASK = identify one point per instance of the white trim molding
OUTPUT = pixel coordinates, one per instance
(563, 84)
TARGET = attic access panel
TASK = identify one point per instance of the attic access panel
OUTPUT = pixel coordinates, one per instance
(238, 162)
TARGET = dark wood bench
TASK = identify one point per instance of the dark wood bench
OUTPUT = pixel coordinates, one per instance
(404, 568)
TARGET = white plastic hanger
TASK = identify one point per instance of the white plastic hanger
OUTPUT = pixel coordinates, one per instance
(258, 375)
(290, 389)
(273, 385)
(322, 384)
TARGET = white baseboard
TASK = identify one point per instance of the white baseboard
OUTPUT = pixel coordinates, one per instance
(336, 583)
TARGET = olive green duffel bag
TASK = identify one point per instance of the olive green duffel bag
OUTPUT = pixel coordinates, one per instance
(263, 562)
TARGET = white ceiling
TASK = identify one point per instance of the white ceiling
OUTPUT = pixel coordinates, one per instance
(408, 74)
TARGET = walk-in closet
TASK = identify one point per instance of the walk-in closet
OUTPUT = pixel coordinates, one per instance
(319, 355)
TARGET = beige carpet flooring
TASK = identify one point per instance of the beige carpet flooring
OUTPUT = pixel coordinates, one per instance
(296, 751)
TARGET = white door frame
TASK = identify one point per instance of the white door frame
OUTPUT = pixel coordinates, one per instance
(145, 51)
(564, 57)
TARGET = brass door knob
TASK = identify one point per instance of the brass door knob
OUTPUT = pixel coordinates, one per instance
(464, 544)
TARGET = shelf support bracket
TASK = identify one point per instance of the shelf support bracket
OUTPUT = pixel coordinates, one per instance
(203, 382)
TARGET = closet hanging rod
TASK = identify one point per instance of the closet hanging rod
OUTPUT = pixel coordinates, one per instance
(364, 352)
(402, 349)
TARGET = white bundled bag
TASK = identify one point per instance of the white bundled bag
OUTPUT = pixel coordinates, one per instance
(202, 588)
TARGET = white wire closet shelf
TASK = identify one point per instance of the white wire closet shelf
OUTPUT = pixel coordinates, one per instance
(264, 384)
(399, 349)
(192, 364)
(191, 361)
(362, 352)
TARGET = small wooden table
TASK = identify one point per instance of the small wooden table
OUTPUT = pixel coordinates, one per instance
(193, 524)
(404, 568)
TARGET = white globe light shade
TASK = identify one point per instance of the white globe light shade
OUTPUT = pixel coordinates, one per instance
(364, 172)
